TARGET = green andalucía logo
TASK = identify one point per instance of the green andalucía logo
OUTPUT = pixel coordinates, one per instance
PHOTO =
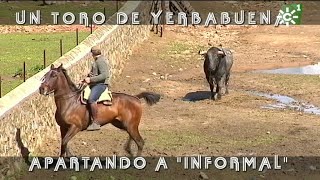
(290, 14)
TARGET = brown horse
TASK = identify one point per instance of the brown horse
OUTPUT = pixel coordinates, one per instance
(73, 116)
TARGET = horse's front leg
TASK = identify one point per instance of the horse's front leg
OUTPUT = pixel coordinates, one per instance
(71, 132)
(63, 132)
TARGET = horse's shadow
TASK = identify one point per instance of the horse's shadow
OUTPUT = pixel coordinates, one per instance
(24, 151)
(197, 96)
(43, 161)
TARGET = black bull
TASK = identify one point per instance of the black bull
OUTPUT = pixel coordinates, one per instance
(217, 65)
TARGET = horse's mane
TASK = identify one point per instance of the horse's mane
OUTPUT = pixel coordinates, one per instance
(70, 83)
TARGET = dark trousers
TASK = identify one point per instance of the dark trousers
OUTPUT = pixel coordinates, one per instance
(96, 91)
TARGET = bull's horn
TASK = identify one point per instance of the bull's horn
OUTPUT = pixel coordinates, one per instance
(220, 52)
(202, 52)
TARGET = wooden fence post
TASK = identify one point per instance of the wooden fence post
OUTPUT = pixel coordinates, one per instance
(61, 47)
(24, 71)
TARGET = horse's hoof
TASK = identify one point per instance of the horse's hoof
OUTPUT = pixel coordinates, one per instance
(128, 151)
(69, 154)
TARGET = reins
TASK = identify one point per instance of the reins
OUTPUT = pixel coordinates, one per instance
(70, 95)
(66, 96)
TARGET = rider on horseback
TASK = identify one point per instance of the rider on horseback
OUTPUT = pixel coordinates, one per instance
(98, 81)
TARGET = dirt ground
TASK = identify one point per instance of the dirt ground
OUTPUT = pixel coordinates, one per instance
(4, 29)
(236, 125)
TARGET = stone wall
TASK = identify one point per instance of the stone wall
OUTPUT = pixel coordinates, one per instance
(24, 109)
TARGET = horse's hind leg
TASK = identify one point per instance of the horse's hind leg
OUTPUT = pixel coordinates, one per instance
(135, 135)
(127, 146)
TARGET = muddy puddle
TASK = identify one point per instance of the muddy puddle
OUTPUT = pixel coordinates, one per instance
(286, 102)
(304, 70)
(282, 101)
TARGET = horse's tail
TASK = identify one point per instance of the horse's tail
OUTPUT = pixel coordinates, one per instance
(149, 97)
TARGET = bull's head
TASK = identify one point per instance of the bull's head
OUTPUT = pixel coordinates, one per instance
(221, 53)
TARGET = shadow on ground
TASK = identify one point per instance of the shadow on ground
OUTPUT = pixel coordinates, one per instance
(197, 96)
(24, 151)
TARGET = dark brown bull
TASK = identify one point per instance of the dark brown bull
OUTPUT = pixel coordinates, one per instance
(217, 66)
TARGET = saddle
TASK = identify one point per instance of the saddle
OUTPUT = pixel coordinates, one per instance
(105, 98)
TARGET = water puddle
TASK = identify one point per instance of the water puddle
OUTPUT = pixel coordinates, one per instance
(286, 102)
(282, 102)
(304, 70)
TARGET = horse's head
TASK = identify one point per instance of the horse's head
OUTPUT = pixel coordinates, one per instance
(50, 80)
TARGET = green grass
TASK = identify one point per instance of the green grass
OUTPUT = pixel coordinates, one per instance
(8, 10)
(9, 85)
(18, 47)
(179, 47)
(187, 138)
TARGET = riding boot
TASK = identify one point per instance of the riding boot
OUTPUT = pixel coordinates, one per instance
(95, 125)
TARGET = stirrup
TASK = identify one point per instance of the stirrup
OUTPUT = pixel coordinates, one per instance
(108, 103)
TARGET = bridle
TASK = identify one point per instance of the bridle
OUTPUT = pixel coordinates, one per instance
(70, 95)
(66, 95)
(81, 86)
